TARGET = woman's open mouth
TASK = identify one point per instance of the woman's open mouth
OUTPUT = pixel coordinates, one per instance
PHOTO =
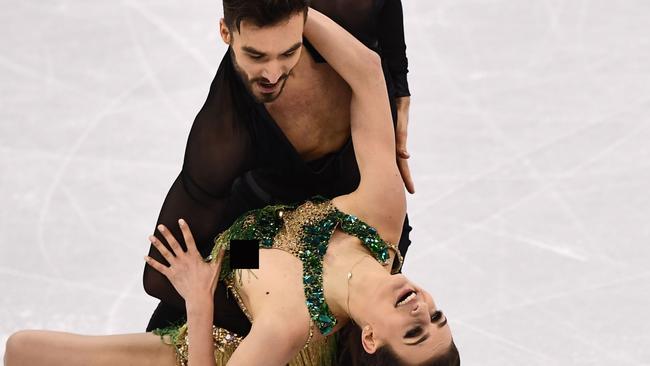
(407, 296)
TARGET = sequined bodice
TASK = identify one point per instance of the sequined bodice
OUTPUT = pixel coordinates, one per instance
(303, 231)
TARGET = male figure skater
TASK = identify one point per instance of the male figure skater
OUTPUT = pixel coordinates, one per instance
(275, 129)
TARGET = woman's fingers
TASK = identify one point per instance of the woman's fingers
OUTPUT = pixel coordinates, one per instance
(217, 262)
(169, 256)
(222, 252)
(187, 236)
(173, 244)
(157, 266)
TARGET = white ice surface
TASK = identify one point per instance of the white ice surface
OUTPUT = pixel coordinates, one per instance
(529, 137)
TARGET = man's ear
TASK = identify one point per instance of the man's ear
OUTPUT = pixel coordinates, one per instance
(368, 340)
(226, 36)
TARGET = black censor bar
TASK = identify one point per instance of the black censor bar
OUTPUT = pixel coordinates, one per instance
(244, 254)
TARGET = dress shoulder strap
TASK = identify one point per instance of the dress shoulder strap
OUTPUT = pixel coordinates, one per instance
(370, 238)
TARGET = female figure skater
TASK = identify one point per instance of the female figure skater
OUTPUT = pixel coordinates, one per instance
(328, 268)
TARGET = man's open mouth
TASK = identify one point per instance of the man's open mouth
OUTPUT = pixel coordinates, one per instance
(268, 87)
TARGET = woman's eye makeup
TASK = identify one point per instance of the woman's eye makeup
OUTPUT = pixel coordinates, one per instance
(413, 332)
(436, 316)
(417, 331)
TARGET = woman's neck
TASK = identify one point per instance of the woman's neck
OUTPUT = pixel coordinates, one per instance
(348, 294)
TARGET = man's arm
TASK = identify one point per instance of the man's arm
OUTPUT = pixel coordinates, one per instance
(393, 46)
(393, 51)
(218, 151)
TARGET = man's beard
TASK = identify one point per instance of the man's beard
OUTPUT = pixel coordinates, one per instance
(250, 83)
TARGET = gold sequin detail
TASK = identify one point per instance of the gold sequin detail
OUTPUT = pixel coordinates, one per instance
(225, 344)
(290, 236)
(232, 286)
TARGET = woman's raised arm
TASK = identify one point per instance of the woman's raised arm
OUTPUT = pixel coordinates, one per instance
(380, 197)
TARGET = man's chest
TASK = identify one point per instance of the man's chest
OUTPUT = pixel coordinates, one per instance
(313, 110)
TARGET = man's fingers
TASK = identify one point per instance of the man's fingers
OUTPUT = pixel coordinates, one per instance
(157, 266)
(173, 244)
(401, 135)
(169, 257)
(400, 145)
(404, 170)
(187, 236)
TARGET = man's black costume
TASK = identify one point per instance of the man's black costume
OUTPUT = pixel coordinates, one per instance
(238, 159)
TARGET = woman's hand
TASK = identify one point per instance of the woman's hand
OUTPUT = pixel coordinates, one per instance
(189, 273)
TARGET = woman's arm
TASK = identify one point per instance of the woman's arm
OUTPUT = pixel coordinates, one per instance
(273, 341)
(196, 281)
(380, 196)
(200, 311)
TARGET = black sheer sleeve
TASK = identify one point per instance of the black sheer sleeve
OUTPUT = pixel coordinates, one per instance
(219, 149)
(390, 27)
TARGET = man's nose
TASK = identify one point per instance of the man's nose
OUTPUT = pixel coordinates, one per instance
(272, 72)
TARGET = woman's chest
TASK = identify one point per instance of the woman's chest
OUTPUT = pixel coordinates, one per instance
(277, 282)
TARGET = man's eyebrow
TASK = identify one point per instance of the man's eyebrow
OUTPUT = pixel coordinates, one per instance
(294, 47)
(250, 49)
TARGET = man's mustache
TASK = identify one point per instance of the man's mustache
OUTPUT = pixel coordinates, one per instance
(266, 81)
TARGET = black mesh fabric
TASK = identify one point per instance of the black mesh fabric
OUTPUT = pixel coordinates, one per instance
(379, 25)
(238, 159)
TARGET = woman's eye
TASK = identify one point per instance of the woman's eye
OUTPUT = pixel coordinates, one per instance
(436, 316)
(413, 332)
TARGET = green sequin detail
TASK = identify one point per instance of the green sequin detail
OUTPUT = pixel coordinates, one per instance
(265, 224)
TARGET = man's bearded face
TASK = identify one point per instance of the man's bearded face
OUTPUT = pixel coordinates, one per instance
(264, 56)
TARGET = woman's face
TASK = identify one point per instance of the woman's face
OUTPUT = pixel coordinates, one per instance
(406, 319)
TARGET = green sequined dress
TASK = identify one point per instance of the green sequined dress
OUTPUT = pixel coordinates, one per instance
(304, 231)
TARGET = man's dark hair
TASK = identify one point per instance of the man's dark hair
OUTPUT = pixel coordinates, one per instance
(352, 352)
(261, 12)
